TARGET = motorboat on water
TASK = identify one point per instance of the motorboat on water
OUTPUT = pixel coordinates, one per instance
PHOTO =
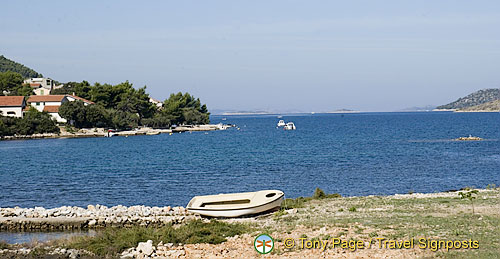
(236, 204)
(281, 123)
(289, 126)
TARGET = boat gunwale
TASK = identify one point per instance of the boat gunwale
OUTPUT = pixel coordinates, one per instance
(215, 209)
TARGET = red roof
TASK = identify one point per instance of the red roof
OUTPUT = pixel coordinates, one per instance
(11, 100)
(80, 98)
(54, 98)
(34, 84)
(45, 98)
(51, 108)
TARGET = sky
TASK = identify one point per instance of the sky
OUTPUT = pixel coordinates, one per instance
(280, 55)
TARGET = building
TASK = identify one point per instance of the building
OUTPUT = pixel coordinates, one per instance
(46, 83)
(51, 103)
(41, 91)
(156, 102)
(73, 97)
(42, 86)
(12, 106)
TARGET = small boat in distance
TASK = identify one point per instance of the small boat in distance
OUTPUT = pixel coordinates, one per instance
(289, 126)
(470, 137)
(281, 123)
(236, 204)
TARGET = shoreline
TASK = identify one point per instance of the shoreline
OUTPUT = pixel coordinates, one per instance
(100, 216)
(431, 216)
(101, 132)
(92, 217)
(477, 111)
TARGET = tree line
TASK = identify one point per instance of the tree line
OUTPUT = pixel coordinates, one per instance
(118, 106)
(11, 83)
(33, 122)
(122, 106)
(10, 65)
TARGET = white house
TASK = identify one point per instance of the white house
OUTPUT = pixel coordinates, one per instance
(46, 83)
(73, 97)
(12, 106)
(51, 103)
(41, 91)
(156, 102)
(42, 86)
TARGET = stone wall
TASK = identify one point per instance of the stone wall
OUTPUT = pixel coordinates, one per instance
(98, 216)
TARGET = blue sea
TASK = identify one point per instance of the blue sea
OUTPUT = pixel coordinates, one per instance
(350, 154)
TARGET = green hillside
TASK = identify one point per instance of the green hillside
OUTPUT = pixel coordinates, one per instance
(492, 106)
(474, 99)
(9, 65)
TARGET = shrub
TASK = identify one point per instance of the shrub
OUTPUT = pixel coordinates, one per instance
(33, 122)
(469, 194)
(3, 245)
(299, 202)
(114, 240)
(319, 194)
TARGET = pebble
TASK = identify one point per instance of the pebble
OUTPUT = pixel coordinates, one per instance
(147, 250)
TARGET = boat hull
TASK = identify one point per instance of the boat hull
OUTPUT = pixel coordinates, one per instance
(236, 204)
(231, 213)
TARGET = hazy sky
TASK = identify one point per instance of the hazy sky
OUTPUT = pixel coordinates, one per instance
(267, 55)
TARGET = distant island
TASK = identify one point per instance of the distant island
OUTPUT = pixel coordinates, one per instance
(486, 100)
(246, 113)
(343, 111)
(418, 109)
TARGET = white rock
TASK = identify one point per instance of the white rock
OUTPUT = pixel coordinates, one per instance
(146, 248)
(175, 253)
(129, 253)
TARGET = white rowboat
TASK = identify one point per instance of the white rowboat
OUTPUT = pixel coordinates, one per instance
(236, 204)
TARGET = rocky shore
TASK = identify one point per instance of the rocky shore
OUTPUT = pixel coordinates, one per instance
(98, 216)
(101, 132)
(49, 252)
(432, 216)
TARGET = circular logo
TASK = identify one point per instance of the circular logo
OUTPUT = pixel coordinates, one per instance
(263, 244)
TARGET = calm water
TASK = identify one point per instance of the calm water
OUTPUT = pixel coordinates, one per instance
(354, 154)
(38, 236)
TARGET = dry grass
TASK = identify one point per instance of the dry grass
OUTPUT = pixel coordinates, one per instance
(436, 216)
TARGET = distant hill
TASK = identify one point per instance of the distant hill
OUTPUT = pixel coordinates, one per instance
(9, 65)
(343, 111)
(473, 99)
(419, 109)
(245, 113)
(493, 106)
